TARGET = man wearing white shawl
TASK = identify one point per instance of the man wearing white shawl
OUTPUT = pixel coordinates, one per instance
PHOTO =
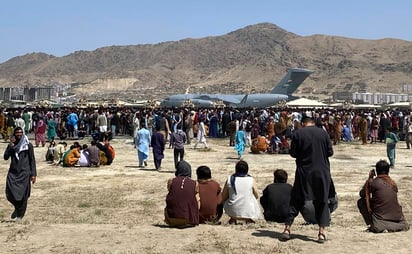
(21, 172)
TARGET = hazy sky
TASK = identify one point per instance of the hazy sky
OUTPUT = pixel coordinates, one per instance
(60, 27)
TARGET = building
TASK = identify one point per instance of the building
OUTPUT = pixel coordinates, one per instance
(380, 98)
(26, 94)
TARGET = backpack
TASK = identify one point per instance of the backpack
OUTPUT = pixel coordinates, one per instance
(248, 127)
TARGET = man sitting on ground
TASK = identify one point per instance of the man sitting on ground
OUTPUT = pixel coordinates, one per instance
(379, 204)
(276, 197)
(210, 193)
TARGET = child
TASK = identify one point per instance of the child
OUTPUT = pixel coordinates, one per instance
(50, 152)
(391, 139)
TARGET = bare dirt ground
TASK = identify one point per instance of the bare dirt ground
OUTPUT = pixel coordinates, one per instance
(119, 208)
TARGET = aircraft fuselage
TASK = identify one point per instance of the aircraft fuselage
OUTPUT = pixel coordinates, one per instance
(230, 100)
(289, 83)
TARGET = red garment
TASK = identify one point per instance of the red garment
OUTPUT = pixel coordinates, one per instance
(259, 145)
(210, 197)
(111, 151)
(181, 200)
(40, 126)
(39, 135)
(395, 122)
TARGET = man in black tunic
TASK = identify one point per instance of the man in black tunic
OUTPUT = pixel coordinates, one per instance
(22, 171)
(311, 146)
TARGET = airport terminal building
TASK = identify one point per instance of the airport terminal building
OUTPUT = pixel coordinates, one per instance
(27, 94)
(380, 98)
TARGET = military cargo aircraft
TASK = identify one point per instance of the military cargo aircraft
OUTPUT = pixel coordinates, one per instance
(281, 92)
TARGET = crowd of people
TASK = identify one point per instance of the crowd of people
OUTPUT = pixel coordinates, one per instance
(94, 154)
(312, 194)
(308, 136)
(276, 125)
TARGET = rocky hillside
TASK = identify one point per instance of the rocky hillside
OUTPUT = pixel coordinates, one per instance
(252, 59)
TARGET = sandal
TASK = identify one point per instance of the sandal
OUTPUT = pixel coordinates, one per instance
(322, 238)
(285, 235)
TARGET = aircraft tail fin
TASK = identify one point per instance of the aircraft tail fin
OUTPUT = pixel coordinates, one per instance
(244, 99)
(291, 81)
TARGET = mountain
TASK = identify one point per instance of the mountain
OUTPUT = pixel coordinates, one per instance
(251, 59)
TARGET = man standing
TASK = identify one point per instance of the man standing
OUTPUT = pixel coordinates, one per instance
(3, 130)
(363, 129)
(226, 119)
(408, 137)
(276, 197)
(177, 121)
(21, 172)
(311, 146)
(10, 125)
(101, 123)
(247, 127)
(26, 118)
(136, 123)
(158, 147)
(162, 125)
(19, 122)
(189, 127)
(231, 131)
(72, 121)
(115, 123)
(178, 139)
(201, 133)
